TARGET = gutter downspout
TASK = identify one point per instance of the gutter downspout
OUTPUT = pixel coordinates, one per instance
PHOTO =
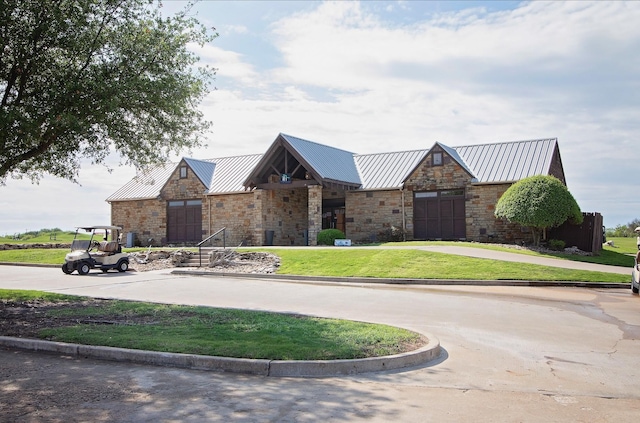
(404, 219)
(209, 217)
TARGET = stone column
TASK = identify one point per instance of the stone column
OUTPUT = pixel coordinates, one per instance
(257, 225)
(315, 213)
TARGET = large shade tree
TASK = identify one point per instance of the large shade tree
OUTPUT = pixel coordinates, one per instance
(539, 202)
(80, 79)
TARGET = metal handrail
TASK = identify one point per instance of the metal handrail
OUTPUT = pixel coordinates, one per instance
(224, 242)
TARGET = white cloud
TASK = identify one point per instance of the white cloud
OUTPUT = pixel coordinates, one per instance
(350, 77)
(229, 64)
(234, 29)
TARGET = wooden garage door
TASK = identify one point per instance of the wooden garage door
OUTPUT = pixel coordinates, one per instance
(184, 221)
(439, 215)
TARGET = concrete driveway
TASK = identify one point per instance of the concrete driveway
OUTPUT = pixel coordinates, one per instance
(511, 354)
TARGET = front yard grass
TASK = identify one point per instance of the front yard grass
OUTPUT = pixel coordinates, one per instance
(415, 264)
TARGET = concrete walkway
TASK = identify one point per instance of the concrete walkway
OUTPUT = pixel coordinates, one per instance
(524, 258)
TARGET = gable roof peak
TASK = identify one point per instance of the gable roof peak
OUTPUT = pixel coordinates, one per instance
(294, 140)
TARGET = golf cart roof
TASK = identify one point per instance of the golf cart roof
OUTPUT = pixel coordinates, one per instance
(90, 228)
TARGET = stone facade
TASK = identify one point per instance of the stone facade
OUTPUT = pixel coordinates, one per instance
(146, 218)
(482, 225)
(238, 214)
(370, 213)
(428, 177)
(314, 213)
(284, 212)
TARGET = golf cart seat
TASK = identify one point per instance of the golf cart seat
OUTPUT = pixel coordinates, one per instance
(110, 247)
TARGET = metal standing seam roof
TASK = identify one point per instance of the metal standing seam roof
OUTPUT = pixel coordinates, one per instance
(486, 163)
(329, 162)
(387, 170)
(231, 172)
(203, 169)
(146, 184)
(224, 175)
(509, 161)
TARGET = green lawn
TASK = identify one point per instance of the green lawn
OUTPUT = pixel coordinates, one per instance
(216, 331)
(34, 255)
(415, 264)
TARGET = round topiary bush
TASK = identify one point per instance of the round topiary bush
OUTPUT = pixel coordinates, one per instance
(328, 236)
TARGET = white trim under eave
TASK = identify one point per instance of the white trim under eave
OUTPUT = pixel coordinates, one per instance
(211, 194)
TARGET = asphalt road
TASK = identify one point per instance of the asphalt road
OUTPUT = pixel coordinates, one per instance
(512, 354)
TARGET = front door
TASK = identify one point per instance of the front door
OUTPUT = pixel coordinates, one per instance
(439, 215)
(333, 214)
(184, 221)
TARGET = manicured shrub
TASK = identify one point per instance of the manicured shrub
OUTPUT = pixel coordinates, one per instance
(328, 236)
(538, 202)
(556, 244)
(392, 234)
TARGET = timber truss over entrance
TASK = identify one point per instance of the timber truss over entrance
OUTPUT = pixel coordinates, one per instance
(292, 162)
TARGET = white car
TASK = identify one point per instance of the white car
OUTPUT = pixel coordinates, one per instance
(93, 254)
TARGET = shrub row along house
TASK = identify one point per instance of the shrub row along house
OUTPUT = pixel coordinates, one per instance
(298, 187)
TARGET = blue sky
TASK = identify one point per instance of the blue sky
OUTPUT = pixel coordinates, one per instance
(382, 76)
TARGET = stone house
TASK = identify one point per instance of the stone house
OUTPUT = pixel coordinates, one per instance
(298, 187)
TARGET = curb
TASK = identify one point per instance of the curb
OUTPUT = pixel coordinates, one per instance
(393, 281)
(7, 263)
(261, 367)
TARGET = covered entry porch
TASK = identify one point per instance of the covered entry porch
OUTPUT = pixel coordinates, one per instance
(303, 187)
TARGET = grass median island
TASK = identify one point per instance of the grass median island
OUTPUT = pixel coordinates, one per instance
(199, 330)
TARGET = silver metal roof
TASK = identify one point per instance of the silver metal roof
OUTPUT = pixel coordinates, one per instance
(231, 173)
(387, 170)
(486, 163)
(203, 170)
(147, 184)
(329, 162)
(225, 174)
(509, 161)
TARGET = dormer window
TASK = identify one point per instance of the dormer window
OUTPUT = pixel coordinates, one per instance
(183, 172)
(437, 158)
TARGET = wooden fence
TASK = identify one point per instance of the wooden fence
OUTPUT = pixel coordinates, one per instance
(587, 236)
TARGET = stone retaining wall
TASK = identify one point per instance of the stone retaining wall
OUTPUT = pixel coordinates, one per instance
(29, 246)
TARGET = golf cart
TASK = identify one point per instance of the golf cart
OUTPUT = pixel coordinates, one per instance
(97, 252)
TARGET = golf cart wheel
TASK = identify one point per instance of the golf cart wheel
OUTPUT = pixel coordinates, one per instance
(123, 266)
(634, 288)
(84, 268)
(66, 269)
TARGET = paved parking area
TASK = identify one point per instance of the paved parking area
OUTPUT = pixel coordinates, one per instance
(511, 354)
